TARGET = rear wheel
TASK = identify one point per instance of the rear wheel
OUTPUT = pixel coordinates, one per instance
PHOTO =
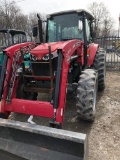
(100, 65)
(87, 94)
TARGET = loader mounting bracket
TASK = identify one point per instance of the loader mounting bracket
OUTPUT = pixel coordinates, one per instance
(55, 124)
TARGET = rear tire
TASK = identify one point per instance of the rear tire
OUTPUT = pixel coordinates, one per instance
(100, 65)
(87, 95)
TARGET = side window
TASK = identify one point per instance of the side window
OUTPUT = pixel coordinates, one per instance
(88, 30)
(51, 31)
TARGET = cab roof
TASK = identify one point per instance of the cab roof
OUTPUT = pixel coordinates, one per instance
(88, 14)
(12, 31)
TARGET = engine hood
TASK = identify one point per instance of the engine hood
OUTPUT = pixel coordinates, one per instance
(41, 50)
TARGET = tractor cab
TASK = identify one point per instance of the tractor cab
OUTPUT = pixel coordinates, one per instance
(67, 25)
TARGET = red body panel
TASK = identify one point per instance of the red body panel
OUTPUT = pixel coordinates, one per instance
(39, 108)
(42, 49)
(93, 49)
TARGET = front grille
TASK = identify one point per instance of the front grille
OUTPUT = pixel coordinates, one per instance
(43, 68)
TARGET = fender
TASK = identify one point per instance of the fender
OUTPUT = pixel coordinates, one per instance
(92, 49)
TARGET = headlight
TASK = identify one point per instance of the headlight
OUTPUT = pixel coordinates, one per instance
(46, 57)
(53, 55)
(32, 57)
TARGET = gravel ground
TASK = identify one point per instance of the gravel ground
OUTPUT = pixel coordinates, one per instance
(104, 135)
(104, 132)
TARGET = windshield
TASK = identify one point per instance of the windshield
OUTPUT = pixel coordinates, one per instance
(64, 27)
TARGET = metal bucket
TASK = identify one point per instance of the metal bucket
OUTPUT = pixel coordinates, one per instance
(20, 141)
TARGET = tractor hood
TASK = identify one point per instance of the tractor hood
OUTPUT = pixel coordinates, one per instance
(41, 50)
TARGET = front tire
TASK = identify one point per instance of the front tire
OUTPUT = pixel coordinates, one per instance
(87, 95)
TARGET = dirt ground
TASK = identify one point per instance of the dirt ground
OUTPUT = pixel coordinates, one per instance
(104, 132)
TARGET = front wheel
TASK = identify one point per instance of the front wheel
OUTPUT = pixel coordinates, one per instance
(87, 95)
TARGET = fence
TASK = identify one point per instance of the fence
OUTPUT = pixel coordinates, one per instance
(112, 47)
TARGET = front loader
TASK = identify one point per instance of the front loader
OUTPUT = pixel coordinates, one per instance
(68, 59)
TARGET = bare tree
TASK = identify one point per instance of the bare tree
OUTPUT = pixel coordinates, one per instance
(103, 21)
(114, 32)
(33, 21)
(11, 16)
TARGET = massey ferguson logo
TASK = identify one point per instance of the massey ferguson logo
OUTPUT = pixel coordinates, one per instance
(76, 44)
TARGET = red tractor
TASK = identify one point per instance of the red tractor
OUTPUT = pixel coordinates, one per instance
(68, 58)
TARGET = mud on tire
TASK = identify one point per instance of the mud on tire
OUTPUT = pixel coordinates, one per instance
(87, 95)
(100, 65)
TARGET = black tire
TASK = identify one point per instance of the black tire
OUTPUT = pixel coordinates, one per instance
(87, 95)
(2, 115)
(100, 65)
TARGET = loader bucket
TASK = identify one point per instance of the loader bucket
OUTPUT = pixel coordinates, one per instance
(21, 141)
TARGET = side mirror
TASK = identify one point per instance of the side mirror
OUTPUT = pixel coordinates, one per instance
(93, 25)
(80, 26)
(93, 35)
(35, 31)
(93, 30)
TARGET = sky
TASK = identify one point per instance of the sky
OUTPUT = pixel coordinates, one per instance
(50, 6)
